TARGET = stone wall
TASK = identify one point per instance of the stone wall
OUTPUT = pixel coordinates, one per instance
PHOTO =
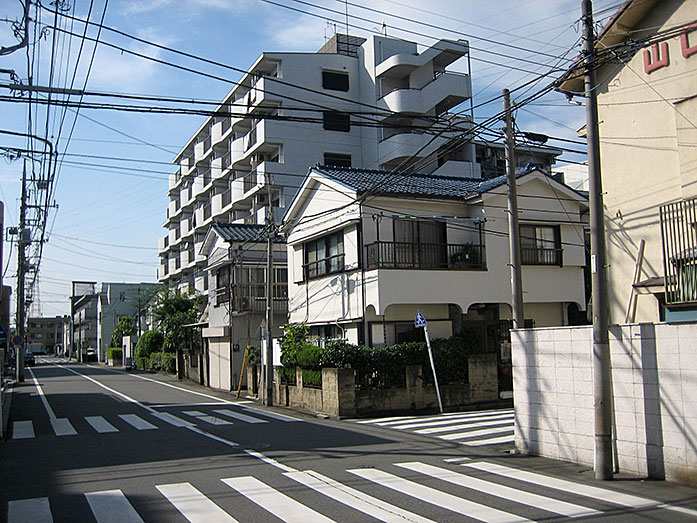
(654, 376)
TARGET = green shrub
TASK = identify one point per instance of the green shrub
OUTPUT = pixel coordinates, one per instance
(143, 363)
(288, 375)
(309, 356)
(293, 341)
(149, 342)
(114, 353)
(312, 378)
(254, 355)
(163, 361)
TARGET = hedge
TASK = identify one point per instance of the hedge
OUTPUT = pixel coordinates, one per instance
(143, 363)
(163, 361)
(114, 353)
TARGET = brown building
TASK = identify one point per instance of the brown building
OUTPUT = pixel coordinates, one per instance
(46, 332)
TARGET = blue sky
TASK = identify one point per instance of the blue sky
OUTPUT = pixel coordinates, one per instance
(108, 219)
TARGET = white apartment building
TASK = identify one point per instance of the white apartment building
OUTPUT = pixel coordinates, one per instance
(355, 103)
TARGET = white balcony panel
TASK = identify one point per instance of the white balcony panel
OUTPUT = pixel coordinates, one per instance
(456, 168)
(403, 146)
(443, 93)
(443, 53)
(162, 243)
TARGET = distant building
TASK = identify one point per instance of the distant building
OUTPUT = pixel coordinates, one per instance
(47, 331)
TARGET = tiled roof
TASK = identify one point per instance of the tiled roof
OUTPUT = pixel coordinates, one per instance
(240, 232)
(413, 184)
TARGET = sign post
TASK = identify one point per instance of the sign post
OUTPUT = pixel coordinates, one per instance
(420, 322)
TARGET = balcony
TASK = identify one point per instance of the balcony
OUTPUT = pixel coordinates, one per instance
(402, 146)
(538, 256)
(251, 297)
(444, 92)
(443, 53)
(162, 244)
(402, 255)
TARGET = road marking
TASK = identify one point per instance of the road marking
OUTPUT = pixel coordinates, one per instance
(610, 496)
(208, 419)
(355, 498)
(445, 417)
(269, 414)
(489, 441)
(384, 420)
(196, 404)
(442, 499)
(239, 416)
(475, 433)
(22, 429)
(172, 419)
(501, 491)
(137, 422)
(100, 424)
(62, 427)
(503, 418)
(280, 505)
(36, 510)
(48, 408)
(461, 426)
(111, 506)
(193, 505)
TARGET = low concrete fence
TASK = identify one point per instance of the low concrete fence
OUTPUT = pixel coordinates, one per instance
(654, 379)
(339, 397)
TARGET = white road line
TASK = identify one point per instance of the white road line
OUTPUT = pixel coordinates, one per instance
(475, 433)
(100, 424)
(610, 496)
(384, 420)
(22, 429)
(48, 408)
(137, 422)
(239, 416)
(36, 510)
(193, 505)
(280, 505)
(452, 416)
(207, 419)
(442, 499)
(172, 419)
(489, 441)
(111, 506)
(502, 418)
(493, 489)
(462, 426)
(62, 427)
(197, 404)
(355, 498)
(269, 414)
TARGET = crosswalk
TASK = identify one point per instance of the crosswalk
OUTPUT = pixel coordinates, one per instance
(25, 429)
(412, 491)
(492, 427)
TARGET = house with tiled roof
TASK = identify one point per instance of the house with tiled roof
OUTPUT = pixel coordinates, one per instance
(368, 248)
(235, 255)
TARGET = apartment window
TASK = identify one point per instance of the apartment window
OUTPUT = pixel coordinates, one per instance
(420, 244)
(222, 285)
(336, 121)
(324, 255)
(540, 245)
(334, 81)
(337, 160)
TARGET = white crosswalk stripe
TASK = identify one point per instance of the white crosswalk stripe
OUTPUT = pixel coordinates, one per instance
(206, 418)
(111, 506)
(193, 505)
(435, 497)
(239, 416)
(269, 414)
(495, 426)
(23, 429)
(101, 425)
(137, 422)
(35, 510)
(280, 505)
(62, 427)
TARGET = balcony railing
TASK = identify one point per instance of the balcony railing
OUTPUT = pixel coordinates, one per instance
(251, 139)
(207, 211)
(679, 251)
(206, 144)
(226, 198)
(225, 125)
(402, 255)
(252, 297)
(536, 256)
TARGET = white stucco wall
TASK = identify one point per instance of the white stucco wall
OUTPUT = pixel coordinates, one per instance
(653, 380)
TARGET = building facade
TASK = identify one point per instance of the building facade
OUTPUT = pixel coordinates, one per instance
(47, 332)
(647, 109)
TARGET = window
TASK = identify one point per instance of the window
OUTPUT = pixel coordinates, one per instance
(222, 285)
(420, 244)
(540, 245)
(324, 255)
(335, 81)
(337, 160)
(336, 121)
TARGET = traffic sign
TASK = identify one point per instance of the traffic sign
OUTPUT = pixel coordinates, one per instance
(17, 340)
(420, 321)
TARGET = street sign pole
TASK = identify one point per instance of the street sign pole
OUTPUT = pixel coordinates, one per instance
(420, 322)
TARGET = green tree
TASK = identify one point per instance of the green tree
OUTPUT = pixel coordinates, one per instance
(171, 310)
(125, 327)
(149, 342)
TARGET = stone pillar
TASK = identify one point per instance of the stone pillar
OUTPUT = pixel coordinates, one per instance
(483, 377)
(339, 392)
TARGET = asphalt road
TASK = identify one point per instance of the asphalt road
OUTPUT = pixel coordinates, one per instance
(91, 444)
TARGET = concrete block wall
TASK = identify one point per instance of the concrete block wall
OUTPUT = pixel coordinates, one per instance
(654, 376)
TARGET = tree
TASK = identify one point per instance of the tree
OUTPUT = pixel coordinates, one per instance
(125, 327)
(149, 342)
(171, 310)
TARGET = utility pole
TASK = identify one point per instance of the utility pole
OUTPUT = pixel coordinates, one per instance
(269, 296)
(513, 228)
(601, 344)
(22, 236)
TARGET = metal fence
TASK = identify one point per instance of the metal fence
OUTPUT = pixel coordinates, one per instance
(679, 238)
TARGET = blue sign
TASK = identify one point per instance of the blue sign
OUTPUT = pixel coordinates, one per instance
(420, 321)
(3, 334)
(17, 340)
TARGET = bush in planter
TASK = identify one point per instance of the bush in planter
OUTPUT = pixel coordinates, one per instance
(163, 361)
(149, 342)
(143, 363)
(114, 353)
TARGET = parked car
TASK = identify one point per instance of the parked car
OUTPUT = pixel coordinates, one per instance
(29, 359)
(91, 354)
(39, 352)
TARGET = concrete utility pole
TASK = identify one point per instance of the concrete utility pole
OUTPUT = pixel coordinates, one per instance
(269, 296)
(513, 228)
(601, 344)
(22, 237)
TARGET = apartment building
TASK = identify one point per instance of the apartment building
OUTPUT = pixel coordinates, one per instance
(355, 103)
(47, 331)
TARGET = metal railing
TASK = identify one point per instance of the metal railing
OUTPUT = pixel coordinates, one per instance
(444, 256)
(252, 297)
(324, 266)
(537, 256)
(679, 238)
